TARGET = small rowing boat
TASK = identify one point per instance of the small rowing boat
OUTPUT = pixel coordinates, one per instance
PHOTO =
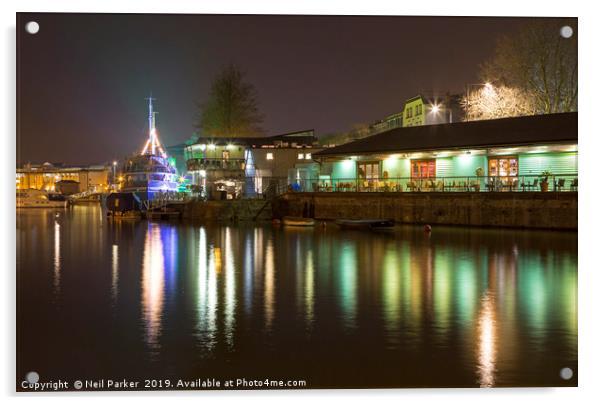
(298, 221)
(365, 223)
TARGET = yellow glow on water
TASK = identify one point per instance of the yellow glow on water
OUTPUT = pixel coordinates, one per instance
(442, 286)
(114, 271)
(218, 259)
(486, 356)
(153, 282)
(309, 289)
(569, 283)
(230, 287)
(268, 287)
(56, 278)
(391, 290)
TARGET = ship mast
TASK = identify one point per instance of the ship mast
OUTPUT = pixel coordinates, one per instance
(152, 144)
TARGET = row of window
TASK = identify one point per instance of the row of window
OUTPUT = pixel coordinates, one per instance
(503, 166)
(417, 110)
(300, 156)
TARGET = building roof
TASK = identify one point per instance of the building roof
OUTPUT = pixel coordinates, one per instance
(516, 131)
(305, 137)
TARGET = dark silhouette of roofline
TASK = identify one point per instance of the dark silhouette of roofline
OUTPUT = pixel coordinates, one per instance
(515, 131)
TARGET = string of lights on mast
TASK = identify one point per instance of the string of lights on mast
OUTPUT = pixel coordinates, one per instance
(152, 143)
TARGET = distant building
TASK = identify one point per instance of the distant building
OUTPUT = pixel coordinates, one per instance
(67, 187)
(46, 176)
(249, 166)
(420, 110)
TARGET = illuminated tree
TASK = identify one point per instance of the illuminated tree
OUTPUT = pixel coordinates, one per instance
(491, 102)
(232, 108)
(538, 66)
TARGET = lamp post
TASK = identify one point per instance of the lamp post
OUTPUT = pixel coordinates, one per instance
(114, 173)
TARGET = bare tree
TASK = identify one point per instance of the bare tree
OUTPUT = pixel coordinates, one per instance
(232, 108)
(540, 62)
(492, 102)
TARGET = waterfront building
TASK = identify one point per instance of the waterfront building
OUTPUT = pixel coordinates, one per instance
(46, 176)
(251, 165)
(511, 154)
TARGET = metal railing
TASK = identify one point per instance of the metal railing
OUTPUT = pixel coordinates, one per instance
(214, 163)
(268, 187)
(530, 183)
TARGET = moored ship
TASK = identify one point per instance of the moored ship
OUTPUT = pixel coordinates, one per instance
(40, 199)
(149, 173)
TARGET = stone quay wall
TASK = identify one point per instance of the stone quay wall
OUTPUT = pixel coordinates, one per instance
(549, 210)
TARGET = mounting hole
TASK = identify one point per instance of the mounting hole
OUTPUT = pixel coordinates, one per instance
(32, 27)
(32, 377)
(566, 373)
(566, 31)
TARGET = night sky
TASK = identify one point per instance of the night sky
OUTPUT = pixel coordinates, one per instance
(82, 78)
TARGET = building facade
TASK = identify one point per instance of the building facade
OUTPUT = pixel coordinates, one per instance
(45, 176)
(250, 166)
(511, 154)
(419, 110)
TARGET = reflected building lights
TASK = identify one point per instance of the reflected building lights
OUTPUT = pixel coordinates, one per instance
(114, 272)
(248, 274)
(486, 355)
(348, 280)
(56, 278)
(230, 294)
(170, 243)
(391, 285)
(442, 293)
(309, 290)
(153, 285)
(269, 285)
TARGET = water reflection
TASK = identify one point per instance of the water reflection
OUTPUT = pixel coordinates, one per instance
(207, 292)
(309, 291)
(56, 278)
(230, 287)
(351, 307)
(348, 285)
(269, 300)
(486, 342)
(114, 272)
(153, 285)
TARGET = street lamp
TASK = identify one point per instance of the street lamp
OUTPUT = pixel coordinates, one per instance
(114, 171)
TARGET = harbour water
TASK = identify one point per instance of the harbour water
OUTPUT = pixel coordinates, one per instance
(460, 307)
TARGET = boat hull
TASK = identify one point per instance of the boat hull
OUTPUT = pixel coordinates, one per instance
(298, 221)
(365, 223)
(48, 204)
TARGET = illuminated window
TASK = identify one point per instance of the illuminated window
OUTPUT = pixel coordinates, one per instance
(270, 156)
(308, 156)
(504, 166)
(423, 168)
(368, 171)
(300, 156)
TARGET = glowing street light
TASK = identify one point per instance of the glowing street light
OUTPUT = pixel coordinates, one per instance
(114, 169)
(488, 90)
(435, 108)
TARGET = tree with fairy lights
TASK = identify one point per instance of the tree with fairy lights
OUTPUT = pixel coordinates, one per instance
(533, 71)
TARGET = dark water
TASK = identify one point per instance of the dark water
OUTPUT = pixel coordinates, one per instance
(463, 307)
